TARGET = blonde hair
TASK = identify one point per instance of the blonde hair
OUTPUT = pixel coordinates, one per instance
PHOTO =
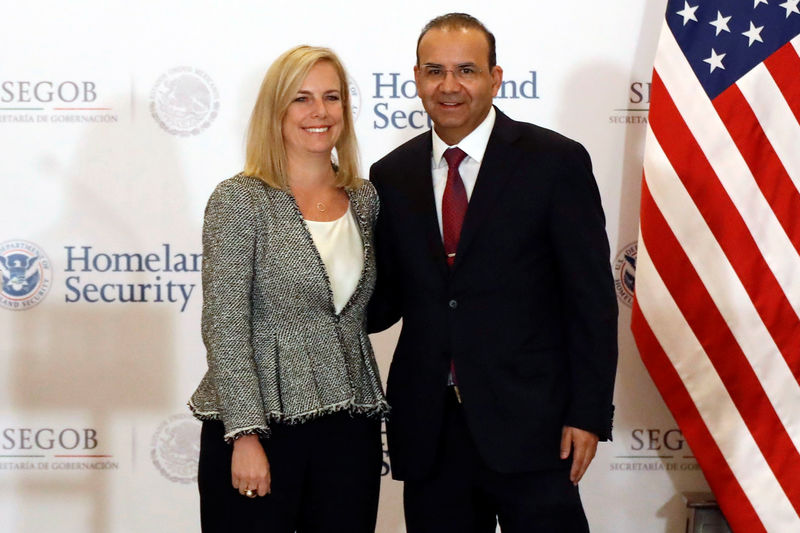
(266, 154)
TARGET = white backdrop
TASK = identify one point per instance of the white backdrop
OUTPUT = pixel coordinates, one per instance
(116, 122)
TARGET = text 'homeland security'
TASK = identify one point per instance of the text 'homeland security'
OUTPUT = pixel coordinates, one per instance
(157, 290)
(389, 86)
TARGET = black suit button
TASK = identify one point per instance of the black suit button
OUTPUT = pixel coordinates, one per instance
(453, 304)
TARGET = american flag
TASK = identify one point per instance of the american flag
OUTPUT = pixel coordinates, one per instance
(717, 304)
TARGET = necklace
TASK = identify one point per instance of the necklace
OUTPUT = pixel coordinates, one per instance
(321, 207)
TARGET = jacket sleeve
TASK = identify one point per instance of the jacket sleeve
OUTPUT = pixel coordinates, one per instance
(372, 201)
(384, 307)
(229, 252)
(581, 246)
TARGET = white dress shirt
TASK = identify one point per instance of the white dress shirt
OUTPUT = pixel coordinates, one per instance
(474, 145)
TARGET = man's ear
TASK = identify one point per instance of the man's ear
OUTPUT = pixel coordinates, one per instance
(497, 79)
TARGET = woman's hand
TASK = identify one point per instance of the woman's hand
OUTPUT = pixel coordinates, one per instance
(249, 466)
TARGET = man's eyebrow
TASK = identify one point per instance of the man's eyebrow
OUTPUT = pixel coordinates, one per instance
(464, 64)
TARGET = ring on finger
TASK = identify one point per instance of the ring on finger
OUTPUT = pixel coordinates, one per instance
(249, 493)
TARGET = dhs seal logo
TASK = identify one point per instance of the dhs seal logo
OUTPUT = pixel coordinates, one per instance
(175, 448)
(184, 101)
(625, 274)
(26, 274)
(355, 97)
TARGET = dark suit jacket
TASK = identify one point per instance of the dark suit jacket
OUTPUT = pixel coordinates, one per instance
(528, 312)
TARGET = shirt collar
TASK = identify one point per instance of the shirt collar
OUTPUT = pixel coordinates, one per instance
(473, 144)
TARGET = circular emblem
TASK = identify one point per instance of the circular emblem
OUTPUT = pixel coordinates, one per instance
(355, 97)
(625, 273)
(175, 448)
(26, 274)
(184, 101)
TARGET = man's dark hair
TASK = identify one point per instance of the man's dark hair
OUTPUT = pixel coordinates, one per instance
(458, 21)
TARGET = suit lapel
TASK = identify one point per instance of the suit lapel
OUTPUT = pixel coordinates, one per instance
(498, 165)
(421, 183)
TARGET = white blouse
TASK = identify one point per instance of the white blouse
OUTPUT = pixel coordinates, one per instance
(339, 245)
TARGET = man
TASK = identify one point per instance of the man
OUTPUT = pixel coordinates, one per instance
(496, 258)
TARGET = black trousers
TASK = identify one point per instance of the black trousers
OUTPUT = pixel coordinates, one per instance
(463, 495)
(325, 479)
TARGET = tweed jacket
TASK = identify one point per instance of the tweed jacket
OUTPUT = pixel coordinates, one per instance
(277, 351)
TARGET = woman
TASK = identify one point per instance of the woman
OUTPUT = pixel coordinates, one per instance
(292, 399)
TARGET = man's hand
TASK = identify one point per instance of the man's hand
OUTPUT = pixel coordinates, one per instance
(583, 445)
(249, 466)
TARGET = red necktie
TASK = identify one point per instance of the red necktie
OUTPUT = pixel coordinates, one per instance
(454, 207)
(454, 203)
